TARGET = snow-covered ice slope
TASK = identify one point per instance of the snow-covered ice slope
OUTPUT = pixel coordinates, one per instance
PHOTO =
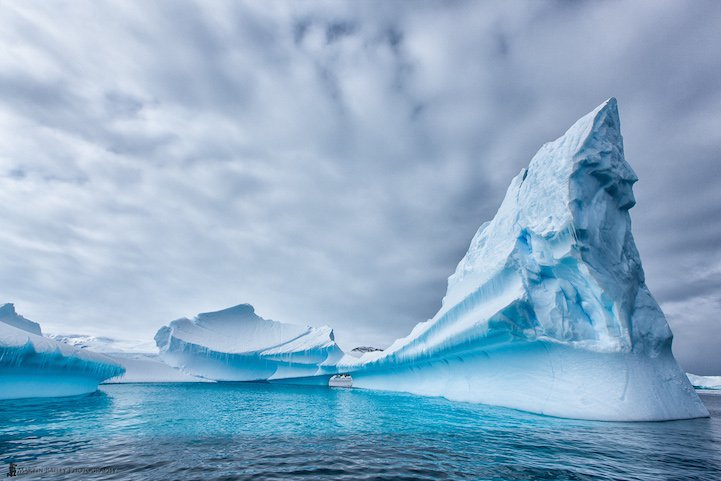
(712, 383)
(548, 310)
(235, 344)
(139, 358)
(34, 366)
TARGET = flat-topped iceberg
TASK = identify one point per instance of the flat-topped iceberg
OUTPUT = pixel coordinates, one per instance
(34, 366)
(548, 311)
(235, 344)
(710, 383)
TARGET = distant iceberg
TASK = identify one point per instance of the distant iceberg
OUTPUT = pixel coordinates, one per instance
(34, 366)
(235, 344)
(139, 359)
(11, 318)
(709, 383)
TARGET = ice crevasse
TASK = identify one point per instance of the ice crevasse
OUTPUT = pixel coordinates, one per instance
(34, 366)
(547, 312)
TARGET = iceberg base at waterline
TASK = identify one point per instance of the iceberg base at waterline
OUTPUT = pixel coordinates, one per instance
(34, 366)
(548, 378)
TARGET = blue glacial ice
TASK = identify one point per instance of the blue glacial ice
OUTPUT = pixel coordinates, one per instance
(34, 366)
(236, 344)
(547, 312)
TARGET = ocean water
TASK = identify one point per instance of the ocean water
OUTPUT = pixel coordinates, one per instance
(267, 431)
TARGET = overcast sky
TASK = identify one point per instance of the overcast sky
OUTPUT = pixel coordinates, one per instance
(330, 162)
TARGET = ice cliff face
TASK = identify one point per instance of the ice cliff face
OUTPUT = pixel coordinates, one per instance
(548, 310)
(235, 344)
(34, 366)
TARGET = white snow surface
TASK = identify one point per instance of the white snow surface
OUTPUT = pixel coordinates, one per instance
(35, 366)
(712, 383)
(147, 367)
(139, 358)
(235, 344)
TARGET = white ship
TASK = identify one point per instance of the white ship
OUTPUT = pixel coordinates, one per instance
(341, 380)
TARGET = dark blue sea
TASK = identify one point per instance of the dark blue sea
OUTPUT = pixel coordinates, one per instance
(268, 431)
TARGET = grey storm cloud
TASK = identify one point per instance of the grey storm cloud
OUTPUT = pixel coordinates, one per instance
(329, 162)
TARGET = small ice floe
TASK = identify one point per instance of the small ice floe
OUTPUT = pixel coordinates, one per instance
(341, 380)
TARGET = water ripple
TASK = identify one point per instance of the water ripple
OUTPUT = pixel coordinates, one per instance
(271, 432)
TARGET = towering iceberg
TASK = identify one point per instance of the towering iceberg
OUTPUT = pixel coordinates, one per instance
(235, 344)
(548, 311)
(34, 366)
